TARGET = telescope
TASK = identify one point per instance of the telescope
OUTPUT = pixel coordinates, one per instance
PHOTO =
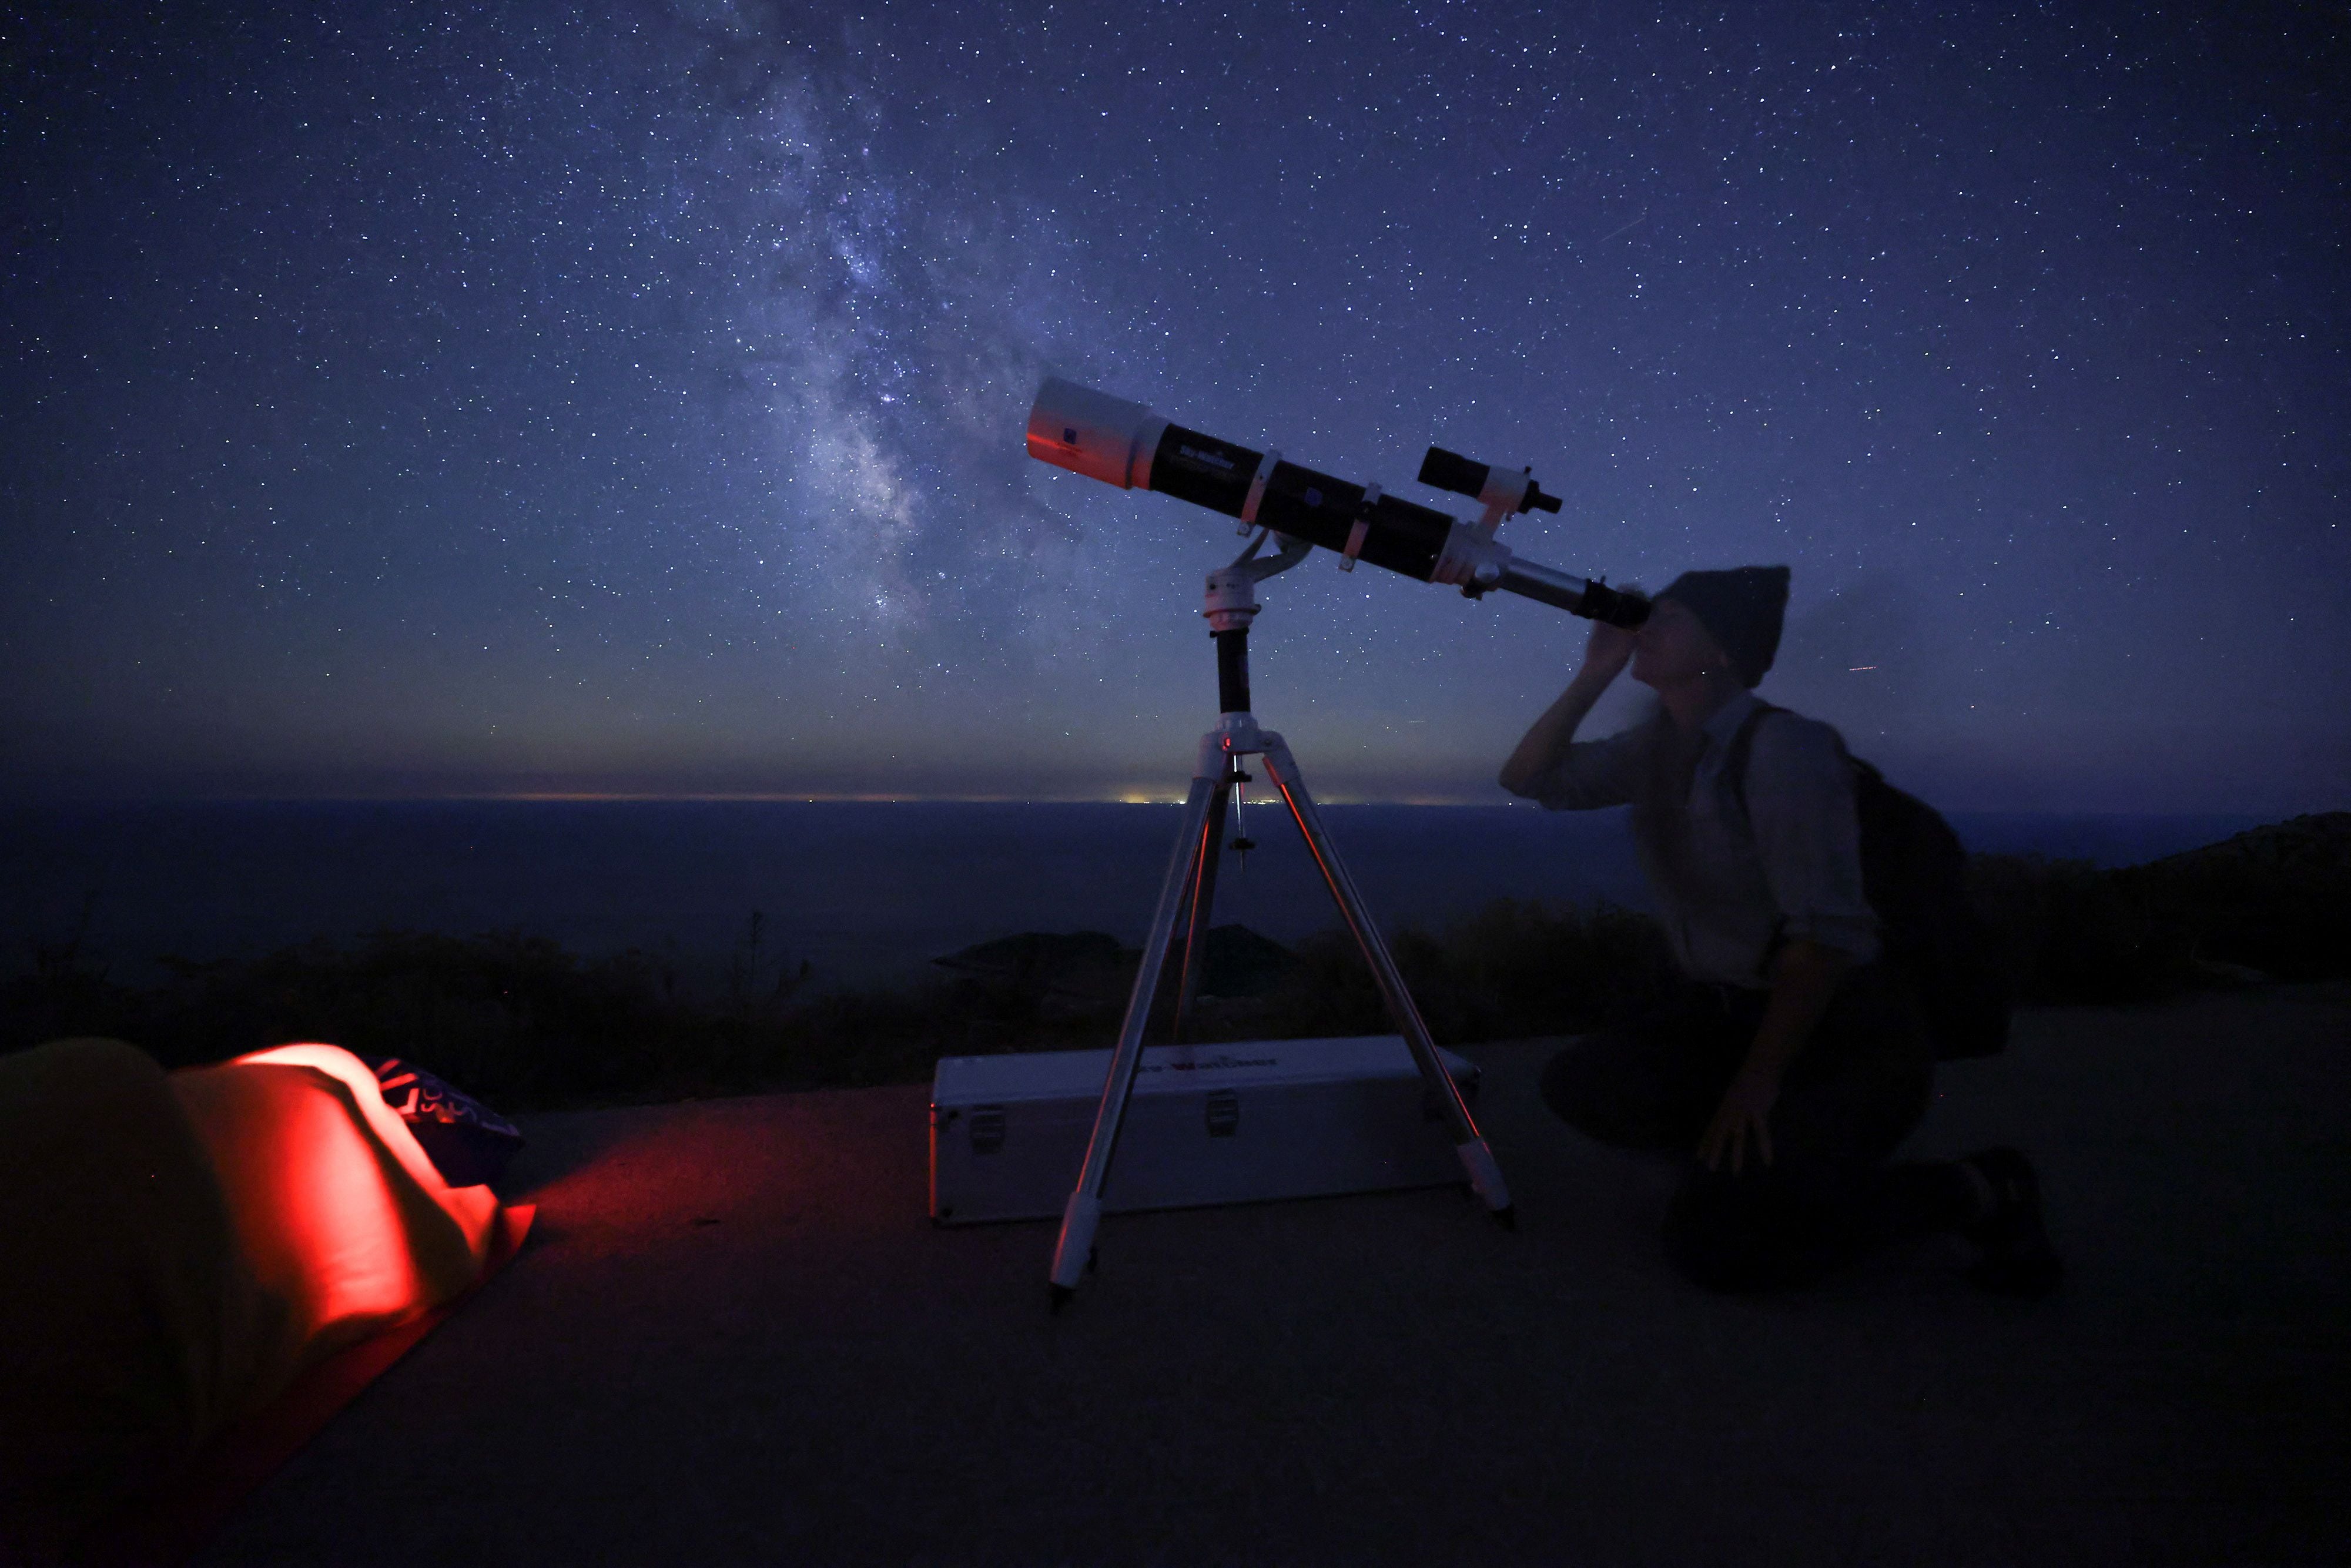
(1125, 444)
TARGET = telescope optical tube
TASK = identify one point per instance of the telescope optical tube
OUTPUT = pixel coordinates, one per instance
(1127, 444)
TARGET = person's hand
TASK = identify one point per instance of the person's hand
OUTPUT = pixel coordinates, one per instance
(1610, 647)
(1746, 1108)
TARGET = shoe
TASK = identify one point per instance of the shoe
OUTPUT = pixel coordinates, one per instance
(2017, 1258)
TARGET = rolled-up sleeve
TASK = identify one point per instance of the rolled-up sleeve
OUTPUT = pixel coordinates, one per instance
(1593, 773)
(1800, 799)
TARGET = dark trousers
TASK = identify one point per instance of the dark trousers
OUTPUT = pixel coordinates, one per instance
(1859, 1086)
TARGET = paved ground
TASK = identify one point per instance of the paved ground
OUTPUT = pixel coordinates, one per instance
(735, 1337)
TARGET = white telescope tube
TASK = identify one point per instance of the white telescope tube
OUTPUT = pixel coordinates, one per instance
(1095, 434)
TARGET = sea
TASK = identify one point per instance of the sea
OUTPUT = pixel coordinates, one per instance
(862, 893)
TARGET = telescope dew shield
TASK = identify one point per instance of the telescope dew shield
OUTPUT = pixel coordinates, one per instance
(1127, 444)
(1094, 434)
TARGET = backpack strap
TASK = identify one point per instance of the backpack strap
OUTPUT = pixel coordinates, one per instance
(1742, 743)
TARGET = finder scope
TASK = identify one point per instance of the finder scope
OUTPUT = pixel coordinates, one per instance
(1127, 444)
(1443, 470)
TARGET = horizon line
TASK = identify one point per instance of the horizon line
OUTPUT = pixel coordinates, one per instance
(819, 797)
(781, 796)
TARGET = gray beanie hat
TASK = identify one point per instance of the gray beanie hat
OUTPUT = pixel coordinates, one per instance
(1741, 608)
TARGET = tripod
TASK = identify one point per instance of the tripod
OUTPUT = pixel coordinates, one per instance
(1189, 890)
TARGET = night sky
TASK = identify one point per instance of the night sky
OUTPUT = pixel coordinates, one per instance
(629, 400)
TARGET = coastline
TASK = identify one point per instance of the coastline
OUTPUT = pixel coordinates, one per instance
(867, 893)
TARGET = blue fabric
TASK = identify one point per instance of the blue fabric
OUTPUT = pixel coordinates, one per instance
(468, 1143)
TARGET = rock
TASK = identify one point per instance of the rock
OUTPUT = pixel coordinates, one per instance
(1240, 963)
(2316, 846)
(2270, 900)
(1039, 958)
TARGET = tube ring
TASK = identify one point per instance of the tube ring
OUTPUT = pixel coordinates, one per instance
(1362, 529)
(1256, 489)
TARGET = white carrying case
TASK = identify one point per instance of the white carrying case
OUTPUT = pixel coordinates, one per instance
(1206, 1124)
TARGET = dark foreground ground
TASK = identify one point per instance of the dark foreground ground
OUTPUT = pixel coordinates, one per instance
(735, 1337)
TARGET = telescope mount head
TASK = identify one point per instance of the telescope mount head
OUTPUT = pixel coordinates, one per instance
(1232, 589)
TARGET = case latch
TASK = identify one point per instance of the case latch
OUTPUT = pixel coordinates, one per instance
(987, 1129)
(1224, 1113)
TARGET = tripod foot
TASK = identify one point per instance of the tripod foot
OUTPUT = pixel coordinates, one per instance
(1485, 1175)
(1074, 1252)
(1509, 1216)
(1061, 1294)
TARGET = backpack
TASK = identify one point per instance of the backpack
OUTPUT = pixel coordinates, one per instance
(1913, 873)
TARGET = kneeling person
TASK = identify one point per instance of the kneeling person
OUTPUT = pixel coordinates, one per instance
(1790, 1061)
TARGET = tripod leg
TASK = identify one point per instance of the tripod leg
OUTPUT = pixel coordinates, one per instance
(1084, 1212)
(1209, 854)
(1476, 1159)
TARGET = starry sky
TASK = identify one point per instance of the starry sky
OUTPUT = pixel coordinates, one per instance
(628, 399)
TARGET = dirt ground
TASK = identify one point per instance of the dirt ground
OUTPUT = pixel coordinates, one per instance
(735, 1336)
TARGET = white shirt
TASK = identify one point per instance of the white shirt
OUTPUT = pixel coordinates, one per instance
(1729, 887)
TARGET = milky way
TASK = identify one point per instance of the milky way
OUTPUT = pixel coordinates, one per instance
(630, 398)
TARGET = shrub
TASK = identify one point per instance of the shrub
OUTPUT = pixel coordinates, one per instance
(2073, 934)
(2273, 899)
(527, 1025)
(1515, 968)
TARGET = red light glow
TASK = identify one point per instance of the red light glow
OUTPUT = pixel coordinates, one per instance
(338, 1210)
